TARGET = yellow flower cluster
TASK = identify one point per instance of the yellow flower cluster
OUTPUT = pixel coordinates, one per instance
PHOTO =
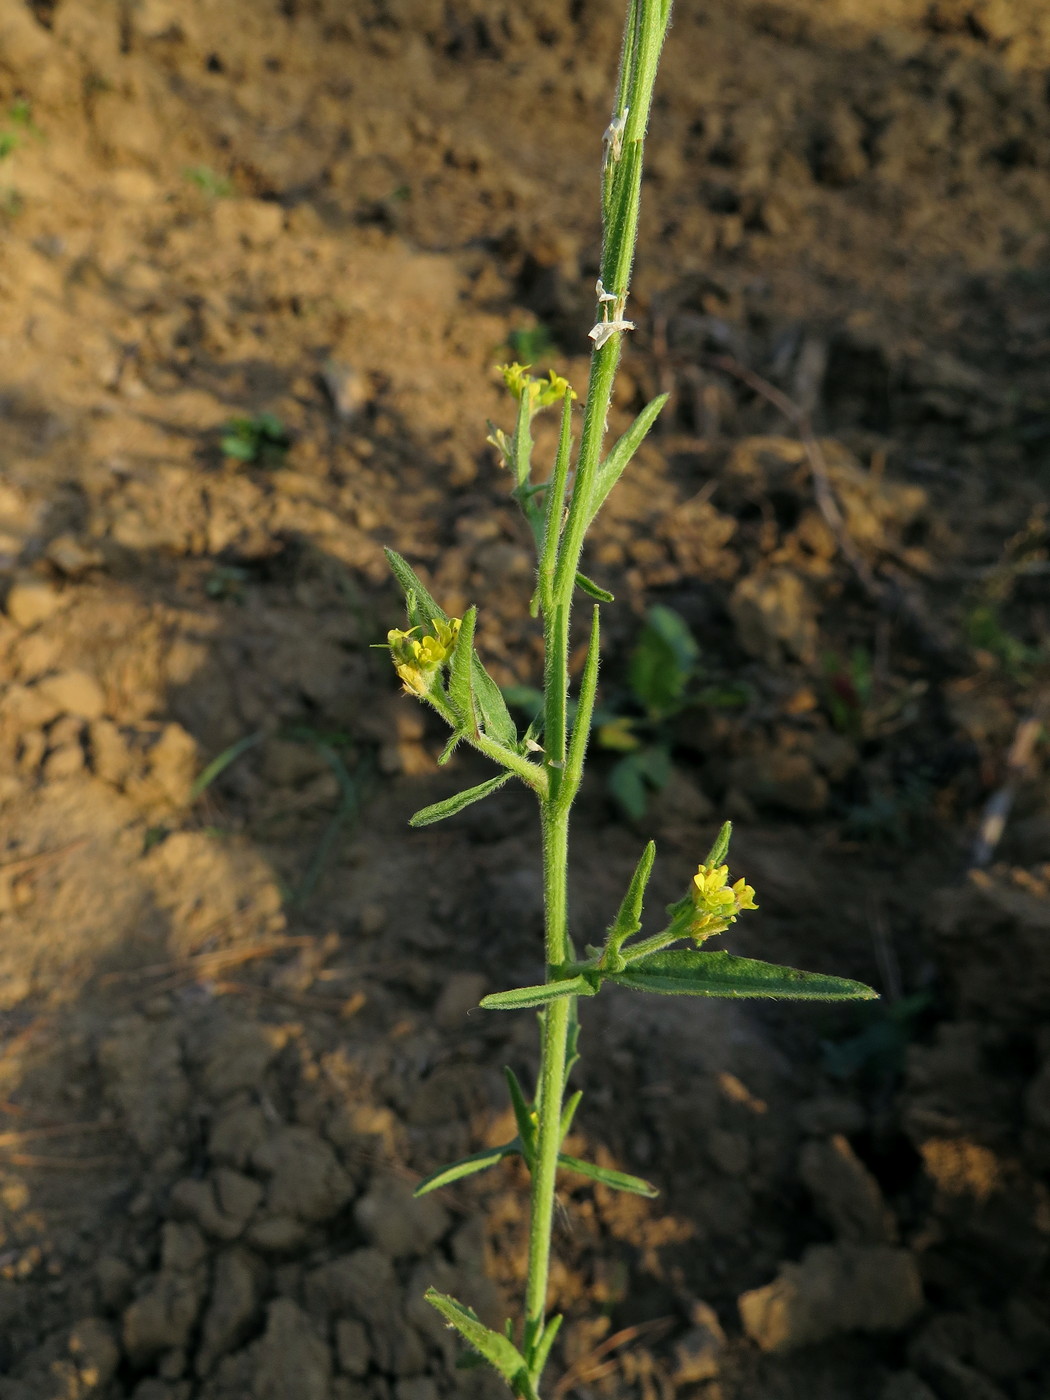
(417, 660)
(541, 393)
(716, 903)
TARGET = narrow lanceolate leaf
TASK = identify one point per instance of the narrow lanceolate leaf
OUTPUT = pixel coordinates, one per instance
(498, 1350)
(522, 1114)
(490, 706)
(427, 816)
(619, 1181)
(722, 975)
(460, 676)
(466, 1166)
(568, 1113)
(718, 852)
(538, 1359)
(629, 918)
(624, 449)
(519, 998)
(408, 579)
(588, 585)
(581, 725)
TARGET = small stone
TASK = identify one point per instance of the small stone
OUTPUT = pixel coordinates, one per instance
(163, 1317)
(115, 1278)
(173, 764)
(95, 1352)
(291, 1359)
(835, 1289)
(774, 612)
(74, 693)
(351, 1346)
(111, 758)
(31, 601)
(64, 762)
(306, 1180)
(234, 1297)
(278, 1234)
(698, 1353)
(236, 1134)
(182, 1247)
(71, 557)
(396, 1222)
(221, 1206)
(845, 1192)
(237, 1195)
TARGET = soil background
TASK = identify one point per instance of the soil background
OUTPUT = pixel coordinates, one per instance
(236, 1018)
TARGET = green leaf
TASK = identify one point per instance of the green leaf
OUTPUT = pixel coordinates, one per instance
(222, 762)
(466, 1166)
(718, 852)
(724, 975)
(519, 998)
(498, 1350)
(619, 1181)
(629, 918)
(449, 806)
(592, 589)
(522, 1114)
(491, 708)
(424, 604)
(581, 725)
(460, 687)
(663, 662)
(542, 1350)
(568, 1113)
(623, 450)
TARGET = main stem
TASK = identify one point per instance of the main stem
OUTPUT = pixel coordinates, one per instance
(647, 22)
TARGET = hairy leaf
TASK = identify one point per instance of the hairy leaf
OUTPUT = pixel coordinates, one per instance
(723, 975)
(619, 1181)
(449, 806)
(623, 450)
(498, 1350)
(406, 576)
(593, 590)
(519, 998)
(460, 687)
(466, 1166)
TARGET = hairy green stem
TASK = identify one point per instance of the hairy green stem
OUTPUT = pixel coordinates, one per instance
(647, 22)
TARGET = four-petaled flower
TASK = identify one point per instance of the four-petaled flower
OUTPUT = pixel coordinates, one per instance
(540, 393)
(716, 903)
(417, 660)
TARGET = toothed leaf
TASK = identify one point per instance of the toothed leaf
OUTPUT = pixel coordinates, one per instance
(498, 1350)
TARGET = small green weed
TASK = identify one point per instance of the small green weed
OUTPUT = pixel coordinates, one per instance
(209, 181)
(260, 440)
(532, 345)
(436, 660)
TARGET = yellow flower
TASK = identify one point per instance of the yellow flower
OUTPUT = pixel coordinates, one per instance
(716, 904)
(418, 660)
(540, 393)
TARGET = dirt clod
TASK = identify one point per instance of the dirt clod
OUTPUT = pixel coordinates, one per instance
(835, 1289)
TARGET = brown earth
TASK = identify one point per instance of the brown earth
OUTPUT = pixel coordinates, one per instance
(235, 1023)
